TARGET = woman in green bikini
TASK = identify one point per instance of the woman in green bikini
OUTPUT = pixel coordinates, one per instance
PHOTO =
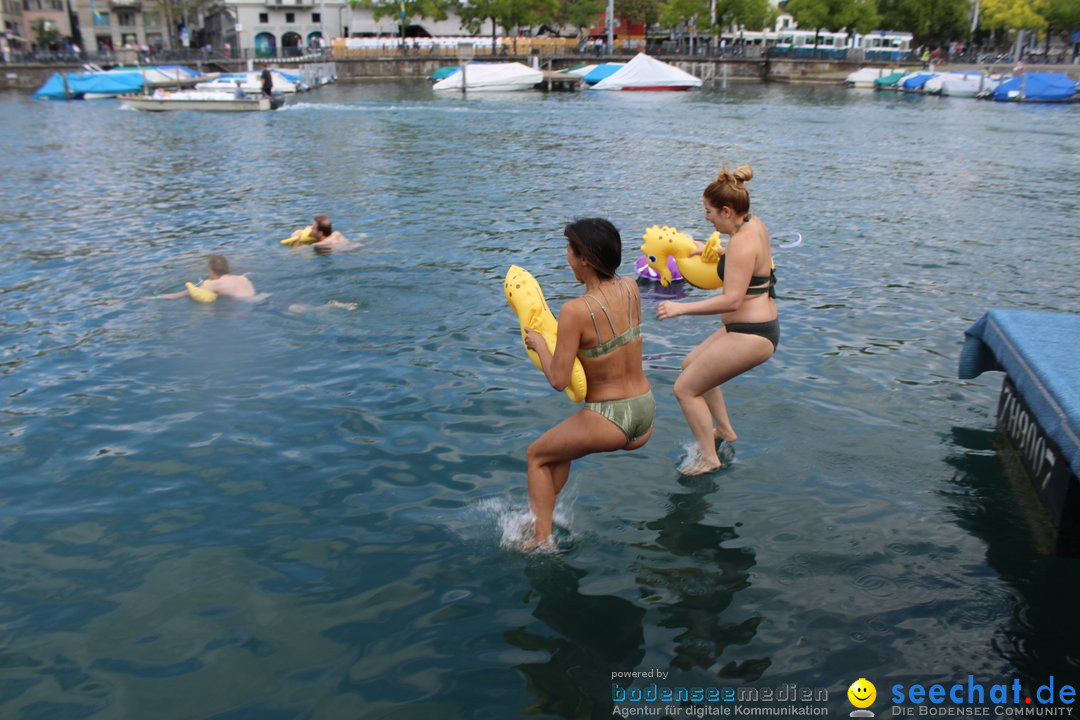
(602, 328)
(751, 329)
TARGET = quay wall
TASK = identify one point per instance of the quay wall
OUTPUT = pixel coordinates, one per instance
(358, 69)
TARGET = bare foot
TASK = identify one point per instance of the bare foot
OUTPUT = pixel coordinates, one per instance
(728, 434)
(535, 544)
(701, 467)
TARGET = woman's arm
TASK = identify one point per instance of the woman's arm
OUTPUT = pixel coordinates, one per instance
(172, 296)
(557, 367)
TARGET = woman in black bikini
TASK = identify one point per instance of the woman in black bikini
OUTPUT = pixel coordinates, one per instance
(751, 329)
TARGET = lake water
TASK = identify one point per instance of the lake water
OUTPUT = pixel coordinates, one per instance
(305, 508)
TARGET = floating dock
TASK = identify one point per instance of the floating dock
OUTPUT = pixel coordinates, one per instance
(1039, 406)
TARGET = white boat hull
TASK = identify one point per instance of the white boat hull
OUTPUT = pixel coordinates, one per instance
(222, 104)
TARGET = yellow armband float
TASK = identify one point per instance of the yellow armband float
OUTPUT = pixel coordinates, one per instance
(527, 300)
(199, 294)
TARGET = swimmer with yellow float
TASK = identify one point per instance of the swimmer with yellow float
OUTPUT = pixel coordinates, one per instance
(320, 236)
(600, 333)
(221, 283)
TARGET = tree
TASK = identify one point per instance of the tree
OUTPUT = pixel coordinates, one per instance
(638, 11)
(1062, 16)
(811, 15)
(674, 12)
(433, 9)
(46, 35)
(928, 20)
(1010, 15)
(749, 14)
(860, 16)
(579, 13)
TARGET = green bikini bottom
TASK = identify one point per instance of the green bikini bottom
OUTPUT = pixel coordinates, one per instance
(634, 416)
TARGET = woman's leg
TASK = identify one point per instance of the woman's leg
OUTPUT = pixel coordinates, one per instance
(721, 357)
(581, 434)
(714, 397)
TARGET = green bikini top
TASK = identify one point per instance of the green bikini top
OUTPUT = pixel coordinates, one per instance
(626, 336)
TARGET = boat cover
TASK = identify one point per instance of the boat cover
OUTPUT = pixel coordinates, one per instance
(889, 80)
(599, 72)
(444, 72)
(647, 72)
(1038, 87)
(103, 83)
(1038, 352)
(493, 76)
(913, 83)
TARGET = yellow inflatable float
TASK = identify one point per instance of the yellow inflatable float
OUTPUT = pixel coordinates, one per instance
(199, 294)
(303, 236)
(699, 270)
(527, 300)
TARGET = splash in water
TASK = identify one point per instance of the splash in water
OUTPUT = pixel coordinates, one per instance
(515, 525)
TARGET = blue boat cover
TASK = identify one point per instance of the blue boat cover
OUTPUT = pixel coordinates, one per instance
(1038, 352)
(1041, 87)
(444, 72)
(600, 72)
(917, 81)
(82, 83)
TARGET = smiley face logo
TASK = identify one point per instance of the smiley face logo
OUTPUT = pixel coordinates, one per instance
(862, 693)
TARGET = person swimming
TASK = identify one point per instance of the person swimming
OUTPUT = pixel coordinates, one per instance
(221, 281)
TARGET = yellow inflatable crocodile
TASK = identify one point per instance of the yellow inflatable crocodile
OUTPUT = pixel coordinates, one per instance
(527, 300)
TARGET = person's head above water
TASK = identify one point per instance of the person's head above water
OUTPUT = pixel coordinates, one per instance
(729, 190)
(598, 243)
(323, 225)
(218, 266)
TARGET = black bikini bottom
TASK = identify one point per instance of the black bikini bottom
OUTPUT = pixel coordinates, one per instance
(769, 330)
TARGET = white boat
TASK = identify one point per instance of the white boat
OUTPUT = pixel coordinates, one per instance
(201, 100)
(648, 73)
(865, 77)
(957, 84)
(492, 77)
(251, 82)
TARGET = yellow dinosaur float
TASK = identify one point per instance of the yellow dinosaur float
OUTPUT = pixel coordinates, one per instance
(699, 270)
(527, 300)
(303, 236)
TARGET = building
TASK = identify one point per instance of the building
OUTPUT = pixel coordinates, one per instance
(288, 27)
(13, 38)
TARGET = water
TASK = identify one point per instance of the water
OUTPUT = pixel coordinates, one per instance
(275, 511)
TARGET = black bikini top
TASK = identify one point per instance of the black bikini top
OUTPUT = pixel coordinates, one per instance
(759, 284)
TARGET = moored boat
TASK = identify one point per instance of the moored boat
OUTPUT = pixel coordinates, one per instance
(864, 78)
(1038, 87)
(648, 73)
(492, 77)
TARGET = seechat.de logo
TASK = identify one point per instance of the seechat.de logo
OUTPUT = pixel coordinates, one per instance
(861, 694)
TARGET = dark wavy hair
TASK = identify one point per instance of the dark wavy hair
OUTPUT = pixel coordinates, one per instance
(598, 242)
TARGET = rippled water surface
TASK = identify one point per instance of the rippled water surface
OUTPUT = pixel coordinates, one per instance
(304, 508)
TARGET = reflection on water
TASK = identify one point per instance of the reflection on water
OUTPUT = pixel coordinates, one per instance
(302, 507)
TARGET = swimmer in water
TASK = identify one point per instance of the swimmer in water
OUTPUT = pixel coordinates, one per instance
(602, 328)
(328, 239)
(221, 282)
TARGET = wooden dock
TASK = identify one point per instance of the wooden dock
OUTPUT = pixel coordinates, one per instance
(556, 80)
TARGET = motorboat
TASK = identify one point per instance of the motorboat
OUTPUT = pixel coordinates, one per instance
(961, 84)
(251, 82)
(648, 73)
(1038, 87)
(204, 100)
(492, 77)
(864, 78)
